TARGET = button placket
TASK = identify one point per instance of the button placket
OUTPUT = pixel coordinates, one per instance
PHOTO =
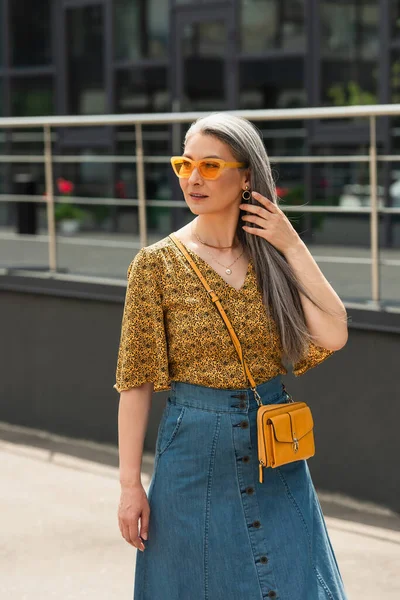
(256, 531)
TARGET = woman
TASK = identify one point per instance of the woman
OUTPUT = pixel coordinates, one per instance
(208, 529)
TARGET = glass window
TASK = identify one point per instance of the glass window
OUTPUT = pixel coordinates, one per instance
(349, 52)
(272, 24)
(1, 98)
(90, 178)
(28, 141)
(395, 77)
(85, 34)
(272, 83)
(32, 96)
(395, 98)
(31, 33)
(142, 90)
(344, 183)
(204, 47)
(395, 18)
(2, 190)
(2, 27)
(141, 29)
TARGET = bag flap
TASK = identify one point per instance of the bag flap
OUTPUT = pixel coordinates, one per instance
(293, 424)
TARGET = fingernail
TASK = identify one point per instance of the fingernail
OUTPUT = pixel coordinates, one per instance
(144, 536)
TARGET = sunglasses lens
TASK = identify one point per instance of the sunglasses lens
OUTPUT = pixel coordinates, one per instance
(182, 168)
(209, 169)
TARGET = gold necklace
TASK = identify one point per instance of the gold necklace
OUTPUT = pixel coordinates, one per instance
(211, 246)
(227, 268)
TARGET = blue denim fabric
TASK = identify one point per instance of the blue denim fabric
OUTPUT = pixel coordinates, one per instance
(215, 532)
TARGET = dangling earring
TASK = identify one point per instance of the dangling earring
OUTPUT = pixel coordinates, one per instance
(246, 195)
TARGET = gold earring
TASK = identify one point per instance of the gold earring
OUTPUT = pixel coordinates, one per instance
(246, 195)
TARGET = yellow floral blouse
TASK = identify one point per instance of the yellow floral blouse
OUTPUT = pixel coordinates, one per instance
(172, 331)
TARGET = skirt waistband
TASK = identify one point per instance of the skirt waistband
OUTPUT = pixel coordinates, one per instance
(227, 400)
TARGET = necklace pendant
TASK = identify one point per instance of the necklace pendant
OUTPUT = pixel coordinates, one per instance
(228, 271)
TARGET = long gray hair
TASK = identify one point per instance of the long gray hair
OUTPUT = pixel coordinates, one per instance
(276, 279)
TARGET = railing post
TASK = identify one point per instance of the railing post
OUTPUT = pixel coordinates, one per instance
(141, 185)
(374, 223)
(51, 223)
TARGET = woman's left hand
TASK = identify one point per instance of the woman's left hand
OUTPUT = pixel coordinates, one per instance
(273, 224)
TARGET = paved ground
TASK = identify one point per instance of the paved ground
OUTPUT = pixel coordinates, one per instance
(59, 537)
(101, 254)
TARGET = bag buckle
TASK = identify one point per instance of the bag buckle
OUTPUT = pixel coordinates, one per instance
(295, 443)
(287, 393)
(256, 396)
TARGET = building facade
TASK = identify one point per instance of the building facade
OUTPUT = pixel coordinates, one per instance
(131, 56)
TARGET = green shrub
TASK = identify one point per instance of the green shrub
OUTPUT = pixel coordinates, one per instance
(63, 210)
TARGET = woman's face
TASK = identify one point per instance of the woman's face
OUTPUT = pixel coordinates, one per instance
(211, 196)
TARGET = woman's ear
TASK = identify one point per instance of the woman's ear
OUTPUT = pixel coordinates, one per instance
(247, 178)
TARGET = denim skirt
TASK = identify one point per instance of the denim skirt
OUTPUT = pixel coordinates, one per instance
(215, 532)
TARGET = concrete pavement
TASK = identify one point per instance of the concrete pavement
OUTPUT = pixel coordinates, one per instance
(60, 540)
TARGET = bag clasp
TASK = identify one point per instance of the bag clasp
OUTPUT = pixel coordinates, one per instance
(287, 393)
(256, 396)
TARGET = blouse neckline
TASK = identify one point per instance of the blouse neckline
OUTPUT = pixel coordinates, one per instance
(214, 272)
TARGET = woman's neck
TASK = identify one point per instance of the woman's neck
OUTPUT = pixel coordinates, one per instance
(220, 233)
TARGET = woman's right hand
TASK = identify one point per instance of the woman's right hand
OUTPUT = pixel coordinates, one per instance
(133, 506)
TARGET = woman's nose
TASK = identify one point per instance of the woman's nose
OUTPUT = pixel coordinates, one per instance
(194, 176)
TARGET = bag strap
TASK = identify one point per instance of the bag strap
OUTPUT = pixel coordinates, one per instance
(217, 303)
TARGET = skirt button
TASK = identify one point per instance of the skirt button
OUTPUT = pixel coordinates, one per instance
(264, 559)
(246, 458)
(250, 490)
(257, 524)
(244, 424)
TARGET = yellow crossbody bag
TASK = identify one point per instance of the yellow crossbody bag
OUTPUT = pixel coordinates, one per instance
(284, 431)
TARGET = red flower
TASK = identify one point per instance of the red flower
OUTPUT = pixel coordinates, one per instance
(65, 186)
(281, 192)
(120, 189)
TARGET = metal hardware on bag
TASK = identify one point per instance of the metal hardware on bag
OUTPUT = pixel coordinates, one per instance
(256, 396)
(295, 443)
(213, 295)
(260, 470)
(287, 393)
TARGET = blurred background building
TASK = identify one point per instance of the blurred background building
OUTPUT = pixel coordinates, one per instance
(131, 56)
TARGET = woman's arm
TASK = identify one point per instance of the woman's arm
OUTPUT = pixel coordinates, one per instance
(331, 331)
(133, 416)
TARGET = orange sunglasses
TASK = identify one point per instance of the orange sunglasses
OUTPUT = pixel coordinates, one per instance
(209, 168)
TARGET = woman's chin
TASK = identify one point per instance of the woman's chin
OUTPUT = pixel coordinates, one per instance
(197, 208)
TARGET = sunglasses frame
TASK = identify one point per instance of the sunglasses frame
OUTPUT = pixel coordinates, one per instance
(196, 164)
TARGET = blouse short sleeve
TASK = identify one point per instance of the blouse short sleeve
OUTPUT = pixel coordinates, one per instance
(315, 355)
(142, 354)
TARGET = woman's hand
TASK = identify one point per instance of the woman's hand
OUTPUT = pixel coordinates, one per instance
(133, 506)
(273, 224)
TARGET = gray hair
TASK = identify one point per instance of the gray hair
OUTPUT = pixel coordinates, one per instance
(277, 281)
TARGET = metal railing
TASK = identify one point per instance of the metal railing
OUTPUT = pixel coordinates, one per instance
(139, 120)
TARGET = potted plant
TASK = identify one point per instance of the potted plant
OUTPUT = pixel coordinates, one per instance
(67, 215)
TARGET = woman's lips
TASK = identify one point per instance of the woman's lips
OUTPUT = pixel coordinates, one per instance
(198, 196)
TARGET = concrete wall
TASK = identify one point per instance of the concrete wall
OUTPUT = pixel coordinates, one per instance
(58, 353)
